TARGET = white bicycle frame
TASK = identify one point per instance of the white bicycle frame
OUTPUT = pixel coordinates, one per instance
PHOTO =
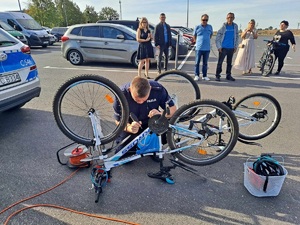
(114, 161)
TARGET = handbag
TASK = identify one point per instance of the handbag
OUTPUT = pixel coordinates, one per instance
(241, 45)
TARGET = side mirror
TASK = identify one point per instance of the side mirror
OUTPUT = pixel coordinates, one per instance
(120, 36)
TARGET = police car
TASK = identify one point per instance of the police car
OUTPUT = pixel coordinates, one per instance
(19, 81)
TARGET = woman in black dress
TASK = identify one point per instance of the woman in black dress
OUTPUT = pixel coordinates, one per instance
(283, 36)
(145, 50)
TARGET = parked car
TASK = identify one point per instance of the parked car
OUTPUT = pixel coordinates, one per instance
(19, 81)
(189, 39)
(58, 32)
(52, 38)
(32, 30)
(13, 32)
(100, 42)
(185, 30)
(134, 24)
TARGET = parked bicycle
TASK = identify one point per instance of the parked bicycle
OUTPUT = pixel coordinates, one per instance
(199, 133)
(258, 114)
(267, 60)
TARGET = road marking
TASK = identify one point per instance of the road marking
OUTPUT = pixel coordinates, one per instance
(106, 70)
(185, 59)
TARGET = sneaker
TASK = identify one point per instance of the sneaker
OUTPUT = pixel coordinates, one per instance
(218, 78)
(277, 73)
(205, 78)
(196, 78)
(230, 78)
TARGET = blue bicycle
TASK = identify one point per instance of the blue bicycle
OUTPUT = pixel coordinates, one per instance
(199, 133)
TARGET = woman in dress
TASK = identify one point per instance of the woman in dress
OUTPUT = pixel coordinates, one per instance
(283, 36)
(245, 58)
(145, 50)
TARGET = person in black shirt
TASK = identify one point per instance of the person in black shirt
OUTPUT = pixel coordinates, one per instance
(283, 36)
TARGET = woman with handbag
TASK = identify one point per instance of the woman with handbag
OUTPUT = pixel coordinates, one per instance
(245, 58)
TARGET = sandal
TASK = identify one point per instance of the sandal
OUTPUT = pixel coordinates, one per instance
(147, 76)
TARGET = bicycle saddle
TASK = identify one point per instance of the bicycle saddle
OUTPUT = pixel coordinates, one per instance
(158, 124)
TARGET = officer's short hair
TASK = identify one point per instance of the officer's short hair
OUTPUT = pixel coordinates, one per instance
(140, 86)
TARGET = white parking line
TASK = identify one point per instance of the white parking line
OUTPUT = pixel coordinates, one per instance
(187, 56)
(90, 69)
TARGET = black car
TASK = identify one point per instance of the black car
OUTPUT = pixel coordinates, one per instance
(58, 31)
(134, 24)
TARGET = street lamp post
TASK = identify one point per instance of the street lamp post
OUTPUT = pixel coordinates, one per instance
(187, 13)
(19, 5)
(64, 8)
(120, 9)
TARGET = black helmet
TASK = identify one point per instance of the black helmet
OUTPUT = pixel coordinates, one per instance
(265, 165)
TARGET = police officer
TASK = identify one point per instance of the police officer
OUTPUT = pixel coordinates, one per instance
(144, 99)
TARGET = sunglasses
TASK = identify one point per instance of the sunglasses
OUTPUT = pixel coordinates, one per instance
(144, 22)
(205, 20)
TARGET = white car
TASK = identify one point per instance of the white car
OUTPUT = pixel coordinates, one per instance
(19, 81)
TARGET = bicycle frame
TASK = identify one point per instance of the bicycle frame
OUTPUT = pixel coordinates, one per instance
(114, 161)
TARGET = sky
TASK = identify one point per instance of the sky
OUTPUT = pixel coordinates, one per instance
(188, 12)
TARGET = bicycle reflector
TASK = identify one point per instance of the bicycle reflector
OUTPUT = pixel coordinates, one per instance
(256, 103)
(109, 98)
(202, 151)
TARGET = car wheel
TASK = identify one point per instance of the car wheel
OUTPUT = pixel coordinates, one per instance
(44, 46)
(75, 57)
(134, 60)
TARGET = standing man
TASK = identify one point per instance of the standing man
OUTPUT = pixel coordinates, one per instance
(227, 43)
(162, 39)
(202, 35)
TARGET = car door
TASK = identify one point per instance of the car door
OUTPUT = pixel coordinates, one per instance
(90, 43)
(117, 46)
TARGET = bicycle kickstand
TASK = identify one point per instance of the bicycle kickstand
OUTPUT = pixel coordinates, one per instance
(163, 173)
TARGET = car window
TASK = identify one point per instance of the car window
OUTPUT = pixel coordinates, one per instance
(110, 32)
(76, 30)
(90, 31)
(6, 40)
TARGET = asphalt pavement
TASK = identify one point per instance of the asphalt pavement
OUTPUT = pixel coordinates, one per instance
(29, 140)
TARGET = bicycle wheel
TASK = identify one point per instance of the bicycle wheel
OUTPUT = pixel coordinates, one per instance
(77, 97)
(258, 115)
(180, 86)
(214, 122)
(268, 65)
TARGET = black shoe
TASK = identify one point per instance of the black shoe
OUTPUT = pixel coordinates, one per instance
(218, 78)
(230, 78)
(277, 73)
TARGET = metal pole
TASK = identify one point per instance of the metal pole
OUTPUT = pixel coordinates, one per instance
(120, 9)
(176, 53)
(63, 5)
(187, 13)
(19, 5)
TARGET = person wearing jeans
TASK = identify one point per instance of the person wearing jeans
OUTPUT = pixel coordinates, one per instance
(163, 40)
(202, 35)
(227, 43)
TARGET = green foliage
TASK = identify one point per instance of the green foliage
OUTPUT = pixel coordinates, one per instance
(108, 13)
(60, 13)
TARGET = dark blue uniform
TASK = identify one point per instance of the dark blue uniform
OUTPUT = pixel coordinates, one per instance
(157, 98)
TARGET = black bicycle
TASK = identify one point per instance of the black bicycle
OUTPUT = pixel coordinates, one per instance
(267, 60)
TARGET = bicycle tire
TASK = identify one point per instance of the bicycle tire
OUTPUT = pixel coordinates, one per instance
(77, 96)
(215, 145)
(181, 85)
(252, 104)
(268, 65)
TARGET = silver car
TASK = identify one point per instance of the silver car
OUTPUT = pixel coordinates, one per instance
(100, 42)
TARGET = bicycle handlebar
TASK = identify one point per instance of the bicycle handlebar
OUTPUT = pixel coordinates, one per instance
(274, 42)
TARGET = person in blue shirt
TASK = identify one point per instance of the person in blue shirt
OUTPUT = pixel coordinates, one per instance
(202, 35)
(227, 43)
(144, 99)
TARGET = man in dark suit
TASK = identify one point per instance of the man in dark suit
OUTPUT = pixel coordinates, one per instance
(163, 39)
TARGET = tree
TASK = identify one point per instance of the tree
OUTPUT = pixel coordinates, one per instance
(43, 11)
(108, 13)
(90, 15)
